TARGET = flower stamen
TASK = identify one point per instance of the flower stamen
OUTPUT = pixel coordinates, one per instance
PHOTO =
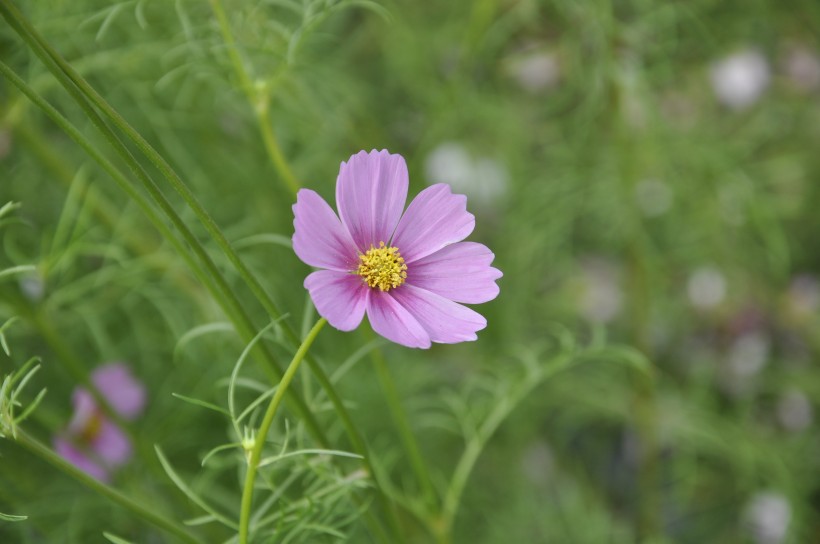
(382, 267)
(92, 428)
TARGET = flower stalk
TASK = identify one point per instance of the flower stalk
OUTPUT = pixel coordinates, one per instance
(158, 520)
(261, 435)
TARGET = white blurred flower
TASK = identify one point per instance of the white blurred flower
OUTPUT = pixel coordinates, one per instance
(767, 517)
(802, 67)
(740, 79)
(601, 297)
(654, 197)
(33, 286)
(706, 287)
(484, 180)
(794, 411)
(803, 297)
(749, 354)
(535, 71)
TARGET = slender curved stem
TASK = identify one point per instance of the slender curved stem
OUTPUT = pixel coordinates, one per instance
(222, 292)
(155, 518)
(86, 96)
(264, 427)
(403, 427)
(259, 102)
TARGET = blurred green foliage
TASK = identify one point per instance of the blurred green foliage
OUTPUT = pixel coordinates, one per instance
(628, 202)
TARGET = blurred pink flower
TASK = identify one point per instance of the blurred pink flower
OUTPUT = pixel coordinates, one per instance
(92, 442)
(408, 269)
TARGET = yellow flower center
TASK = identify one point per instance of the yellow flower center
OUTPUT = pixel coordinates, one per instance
(92, 428)
(382, 267)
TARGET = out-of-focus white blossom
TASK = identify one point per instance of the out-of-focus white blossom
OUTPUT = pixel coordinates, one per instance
(601, 296)
(803, 296)
(767, 517)
(794, 411)
(706, 287)
(535, 71)
(748, 354)
(483, 180)
(33, 286)
(654, 197)
(802, 68)
(740, 79)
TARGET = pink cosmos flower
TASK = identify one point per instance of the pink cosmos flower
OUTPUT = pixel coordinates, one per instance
(408, 269)
(92, 442)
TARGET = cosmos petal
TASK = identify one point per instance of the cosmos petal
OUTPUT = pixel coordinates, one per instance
(460, 272)
(319, 238)
(120, 388)
(390, 319)
(112, 445)
(434, 219)
(339, 297)
(446, 322)
(85, 408)
(76, 457)
(371, 191)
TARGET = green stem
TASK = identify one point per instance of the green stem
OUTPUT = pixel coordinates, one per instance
(222, 292)
(258, 102)
(274, 151)
(360, 447)
(82, 92)
(475, 445)
(260, 106)
(264, 427)
(156, 519)
(403, 426)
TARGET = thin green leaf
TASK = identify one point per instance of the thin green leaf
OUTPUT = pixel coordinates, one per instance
(11, 517)
(335, 453)
(238, 366)
(109, 19)
(201, 520)
(139, 14)
(202, 404)
(202, 330)
(17, 270)
(196, 499)
(264, 238)
(24, 370)
(261, 398)
(3, 341)
(217, 449)
(357, 356)
(31, 407)
(115, 539)
(9, 207)
(26, 378)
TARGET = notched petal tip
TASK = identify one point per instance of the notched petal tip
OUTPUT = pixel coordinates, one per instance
(434, 219)
(445, 321)
(460, 272)
(371, 191)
